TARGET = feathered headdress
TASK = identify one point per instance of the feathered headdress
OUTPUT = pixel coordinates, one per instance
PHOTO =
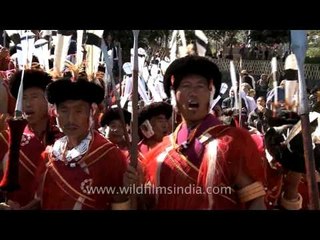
(93, 48)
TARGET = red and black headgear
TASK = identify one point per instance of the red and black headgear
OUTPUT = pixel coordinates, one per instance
(64, 89)
(114, 114)
(191, 64)
(31, 78)
(154, 109)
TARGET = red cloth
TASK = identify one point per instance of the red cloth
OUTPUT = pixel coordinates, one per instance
(189, 170)
(273, 181)
(60, 184)
(143, 148)
(274, 185)
(11, 100)
(125, 152)
(6, 64)
(303, 190)
(30, 156)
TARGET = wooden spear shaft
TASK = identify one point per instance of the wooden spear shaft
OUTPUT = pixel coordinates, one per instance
(117, 95)
(134, 132)
(298, 40)
(240, 98)
(120, 67)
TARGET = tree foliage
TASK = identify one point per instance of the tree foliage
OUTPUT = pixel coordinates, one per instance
(147, 39)
(313, 51)
(270, 36)
(153, 38)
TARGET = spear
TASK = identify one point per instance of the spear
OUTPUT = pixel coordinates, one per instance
(234, 82)
(108, 61)
(173, 56)
(173, 46)
(120, 66)
(134, 150)
(240, 98)
(299, 47)
(79, 54)
(275, 84)
(223, 89)
(10, 180)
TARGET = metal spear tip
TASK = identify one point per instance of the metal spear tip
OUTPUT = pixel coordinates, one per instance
(17, 115)
(298, 39)
(135, 32)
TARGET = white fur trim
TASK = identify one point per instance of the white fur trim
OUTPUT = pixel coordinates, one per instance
(84, 167)
(160, 159)
(212, 92)
(59, 149)
(79, 203)
(268, 156)
(212, 160)
(173, 98)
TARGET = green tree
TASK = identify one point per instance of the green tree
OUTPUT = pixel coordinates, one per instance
(270, 36)
(313, 51)
(147, 39)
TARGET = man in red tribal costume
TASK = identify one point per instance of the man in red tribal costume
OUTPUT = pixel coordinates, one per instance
(7, 101)
(114, 131)
(154, 124)
(203, 165)
(39, 132)
(83, 161)
(287, 182)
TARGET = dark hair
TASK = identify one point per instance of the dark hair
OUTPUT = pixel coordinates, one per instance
(154, 109)
(114, 114)
(31, 78)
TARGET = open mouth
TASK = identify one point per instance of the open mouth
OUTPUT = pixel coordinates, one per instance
(193, 105)
(29, 113)
(71, 128)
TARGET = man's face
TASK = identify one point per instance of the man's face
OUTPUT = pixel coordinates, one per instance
(34, 104)
(115, 134)
(73, 116)
(193, 98)
(261, 102)
(4, 53)
(245, 88)
(160, 126)
(264, 77)
(109, 38)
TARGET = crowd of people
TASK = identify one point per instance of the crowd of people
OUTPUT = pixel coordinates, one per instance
(194, 153)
